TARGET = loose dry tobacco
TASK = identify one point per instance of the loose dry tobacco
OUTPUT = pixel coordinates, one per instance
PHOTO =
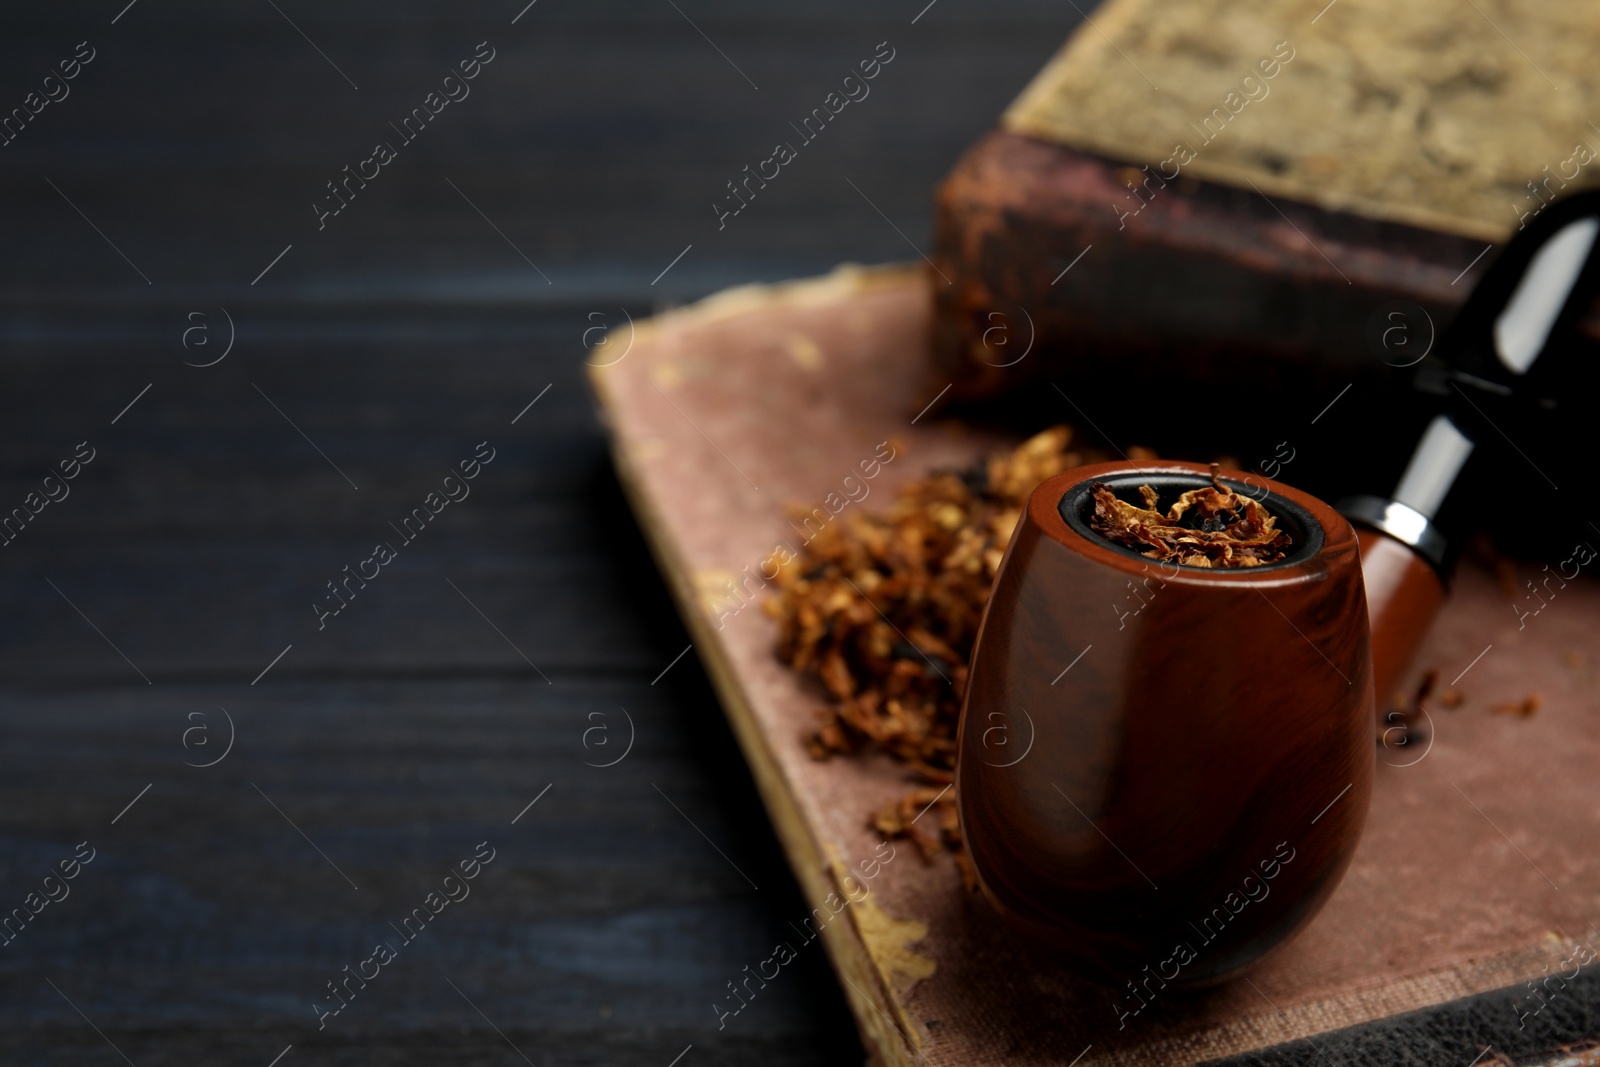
(883, 609)
(1210, 527)
(1525, 707)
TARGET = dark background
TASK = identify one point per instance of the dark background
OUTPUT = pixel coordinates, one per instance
(377, 353)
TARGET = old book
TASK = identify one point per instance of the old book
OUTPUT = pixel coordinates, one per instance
(1448, 934)
(1279, 199)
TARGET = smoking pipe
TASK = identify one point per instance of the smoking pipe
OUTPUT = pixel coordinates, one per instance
(1163, 770)
(1513, 375)
(1165, 766)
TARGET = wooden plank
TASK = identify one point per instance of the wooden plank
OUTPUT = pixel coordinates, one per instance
(204, 499)
(596, 141)
(206, 924)
(725, 412)
(408, 730)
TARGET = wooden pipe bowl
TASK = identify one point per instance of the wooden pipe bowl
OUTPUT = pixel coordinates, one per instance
(1187, 794)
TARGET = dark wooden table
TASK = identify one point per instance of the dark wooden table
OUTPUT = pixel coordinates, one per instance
(158, 217)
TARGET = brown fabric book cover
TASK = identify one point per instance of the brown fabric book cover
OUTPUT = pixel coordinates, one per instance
(1465, 929)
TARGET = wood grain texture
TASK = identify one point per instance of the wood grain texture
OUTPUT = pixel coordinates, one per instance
(1404, 595)
(1439, 903)
(401, 735)
(1189, 797)
(596, 141)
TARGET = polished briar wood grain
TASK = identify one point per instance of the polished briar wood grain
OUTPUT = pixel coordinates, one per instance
(1200, 776)
(1404, 594)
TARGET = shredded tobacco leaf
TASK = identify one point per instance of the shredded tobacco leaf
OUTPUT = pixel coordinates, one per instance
(1210, 527)
(1527, 706)
(882, 610)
